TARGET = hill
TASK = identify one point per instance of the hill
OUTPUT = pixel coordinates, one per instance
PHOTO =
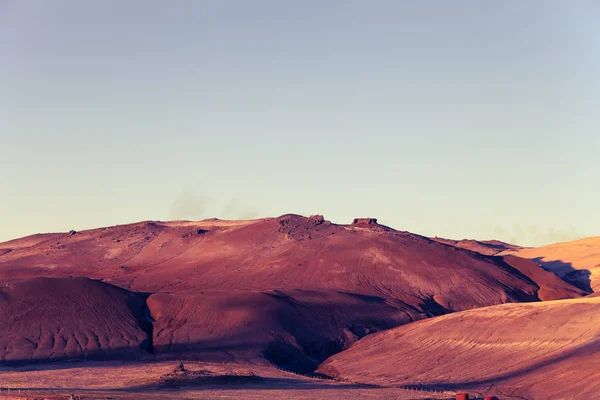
(289, 290)
(64, 318)
(546, 350)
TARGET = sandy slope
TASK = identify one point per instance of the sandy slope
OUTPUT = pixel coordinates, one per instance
(577, 261)
(290, 290)
(548, 350)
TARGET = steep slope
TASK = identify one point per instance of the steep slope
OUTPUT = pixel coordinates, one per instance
(548, 350)
(47, 318)
(486, 247)
(577, 262)
(292, 290)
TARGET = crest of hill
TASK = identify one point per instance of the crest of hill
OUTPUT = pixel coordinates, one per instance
(291, 290)
(546, 350)
(290, 251)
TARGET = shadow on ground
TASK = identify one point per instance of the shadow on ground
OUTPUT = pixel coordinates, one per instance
(579, 278)
(222, 382)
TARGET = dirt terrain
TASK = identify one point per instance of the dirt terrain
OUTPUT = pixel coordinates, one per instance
(187, 380)
(289, 290)
(546, 350)
(286, 292)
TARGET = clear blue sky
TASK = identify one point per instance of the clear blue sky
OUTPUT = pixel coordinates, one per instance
(473, 119)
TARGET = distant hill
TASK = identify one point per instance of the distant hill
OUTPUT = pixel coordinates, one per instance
(290, 290)
(487, 247)
(577, 262)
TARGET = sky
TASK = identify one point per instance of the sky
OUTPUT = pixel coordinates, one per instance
(462, 119)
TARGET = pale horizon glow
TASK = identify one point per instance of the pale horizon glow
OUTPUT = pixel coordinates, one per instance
(464, 119)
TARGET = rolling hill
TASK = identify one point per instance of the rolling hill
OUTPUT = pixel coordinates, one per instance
(548, 350)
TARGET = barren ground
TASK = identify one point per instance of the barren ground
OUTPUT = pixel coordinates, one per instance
(101, 380)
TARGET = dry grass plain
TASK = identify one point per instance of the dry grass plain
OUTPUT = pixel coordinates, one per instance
(162, 380)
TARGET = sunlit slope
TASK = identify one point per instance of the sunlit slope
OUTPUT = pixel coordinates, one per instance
(577, 261)
(548, 350)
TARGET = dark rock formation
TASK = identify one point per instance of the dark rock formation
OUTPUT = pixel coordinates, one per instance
(365, 221)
